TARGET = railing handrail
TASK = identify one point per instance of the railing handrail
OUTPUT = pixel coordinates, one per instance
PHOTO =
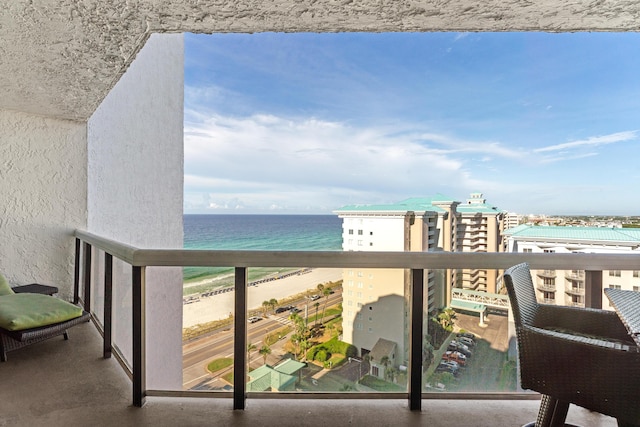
(354, 259)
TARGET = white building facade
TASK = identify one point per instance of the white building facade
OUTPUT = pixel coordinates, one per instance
(567, 287)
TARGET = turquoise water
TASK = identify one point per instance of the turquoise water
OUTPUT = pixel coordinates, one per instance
(257, 232)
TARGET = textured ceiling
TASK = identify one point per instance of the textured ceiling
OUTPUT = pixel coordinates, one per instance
(59, 58)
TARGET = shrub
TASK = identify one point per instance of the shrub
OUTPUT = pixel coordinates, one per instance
(311, 354)
(322, 355)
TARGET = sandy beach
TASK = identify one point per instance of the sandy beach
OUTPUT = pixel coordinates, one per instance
(217, 307)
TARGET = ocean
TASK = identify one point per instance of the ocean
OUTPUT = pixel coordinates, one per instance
(254, 232)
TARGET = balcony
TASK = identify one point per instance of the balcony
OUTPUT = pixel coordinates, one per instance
(574, 290)
(101, 384)
(546, 287)
(547, 273)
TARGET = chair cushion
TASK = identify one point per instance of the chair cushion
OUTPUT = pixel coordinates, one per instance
(26, 311)
(5, 289)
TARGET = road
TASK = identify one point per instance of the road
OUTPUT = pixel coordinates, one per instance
(198, 353)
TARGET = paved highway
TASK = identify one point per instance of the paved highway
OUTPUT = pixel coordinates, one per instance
(198, 353)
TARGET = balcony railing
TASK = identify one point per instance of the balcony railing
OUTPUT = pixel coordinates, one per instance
(416, 262)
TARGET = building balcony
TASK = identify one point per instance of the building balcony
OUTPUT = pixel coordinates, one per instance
(104, 384)
(546, 287)
(574, 290)
(575, 275)
(546, 273)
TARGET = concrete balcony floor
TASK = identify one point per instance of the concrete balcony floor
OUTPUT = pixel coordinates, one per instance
(67, 383)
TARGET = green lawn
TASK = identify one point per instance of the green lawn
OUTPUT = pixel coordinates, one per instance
(217, 364)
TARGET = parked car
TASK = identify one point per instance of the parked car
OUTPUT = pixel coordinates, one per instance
(466, 335)
(454, 346)
(254, 319)
(444, 367)
(451, 363)
(467, 341)
(455, 356)
(314, 297)
(295, 310)
(284, 308)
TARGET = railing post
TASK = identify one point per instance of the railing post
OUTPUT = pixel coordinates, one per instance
(415, 339)
(87, 277)
(76, 274)
(108, 302)
(139, 356)
(240, 339)
(593, 289)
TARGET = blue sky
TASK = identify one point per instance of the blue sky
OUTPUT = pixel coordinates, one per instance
(306, 123)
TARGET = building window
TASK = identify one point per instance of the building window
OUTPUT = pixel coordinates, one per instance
(359, 295)
(614, 273)
(359, 232)
(350, 272)
(351, 283)
(360, 285)
(549, 251)
(370, 319)
(349, 302)
(370, 330)
(371, 233)
(527, 250)
(370, 243)
(636, 273)
(375, 371)
(349, 292)
(360, 274)
(636, 289)
(359, 305)
(359, 242)
(359, 315)
(615, 287)
(351, 231)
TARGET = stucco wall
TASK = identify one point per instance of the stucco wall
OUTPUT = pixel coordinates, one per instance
(135, 187)
(42, 198)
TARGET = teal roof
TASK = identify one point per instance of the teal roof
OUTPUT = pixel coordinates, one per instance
(415, 204)
(289, 366)
(478, 208)
(279, 377)
(628, 235)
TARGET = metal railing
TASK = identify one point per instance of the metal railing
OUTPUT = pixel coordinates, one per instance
(417, 262)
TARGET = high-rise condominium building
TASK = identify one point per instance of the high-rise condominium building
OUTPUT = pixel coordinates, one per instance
(375, 301)
(569, 287)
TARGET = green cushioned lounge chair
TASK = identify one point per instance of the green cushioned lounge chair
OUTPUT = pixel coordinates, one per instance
(29, 318)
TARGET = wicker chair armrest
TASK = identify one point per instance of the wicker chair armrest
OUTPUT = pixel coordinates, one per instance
(596, 374)
(587, 321)
(595, 341)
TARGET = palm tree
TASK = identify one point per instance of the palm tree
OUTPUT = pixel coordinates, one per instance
(446, 318)
(273, 303)
(265, 307)
(250, 348)
(325, 292)
(316, 305)
(385, 362)
(265, 350)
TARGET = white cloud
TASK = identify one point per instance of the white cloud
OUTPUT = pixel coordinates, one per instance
(592, 141)
(270, 162)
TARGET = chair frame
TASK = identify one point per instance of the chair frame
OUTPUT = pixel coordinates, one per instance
(14, 340)
(573, 355)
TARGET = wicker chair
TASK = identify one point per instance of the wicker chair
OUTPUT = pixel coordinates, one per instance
(13, 340)
(573, 355)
